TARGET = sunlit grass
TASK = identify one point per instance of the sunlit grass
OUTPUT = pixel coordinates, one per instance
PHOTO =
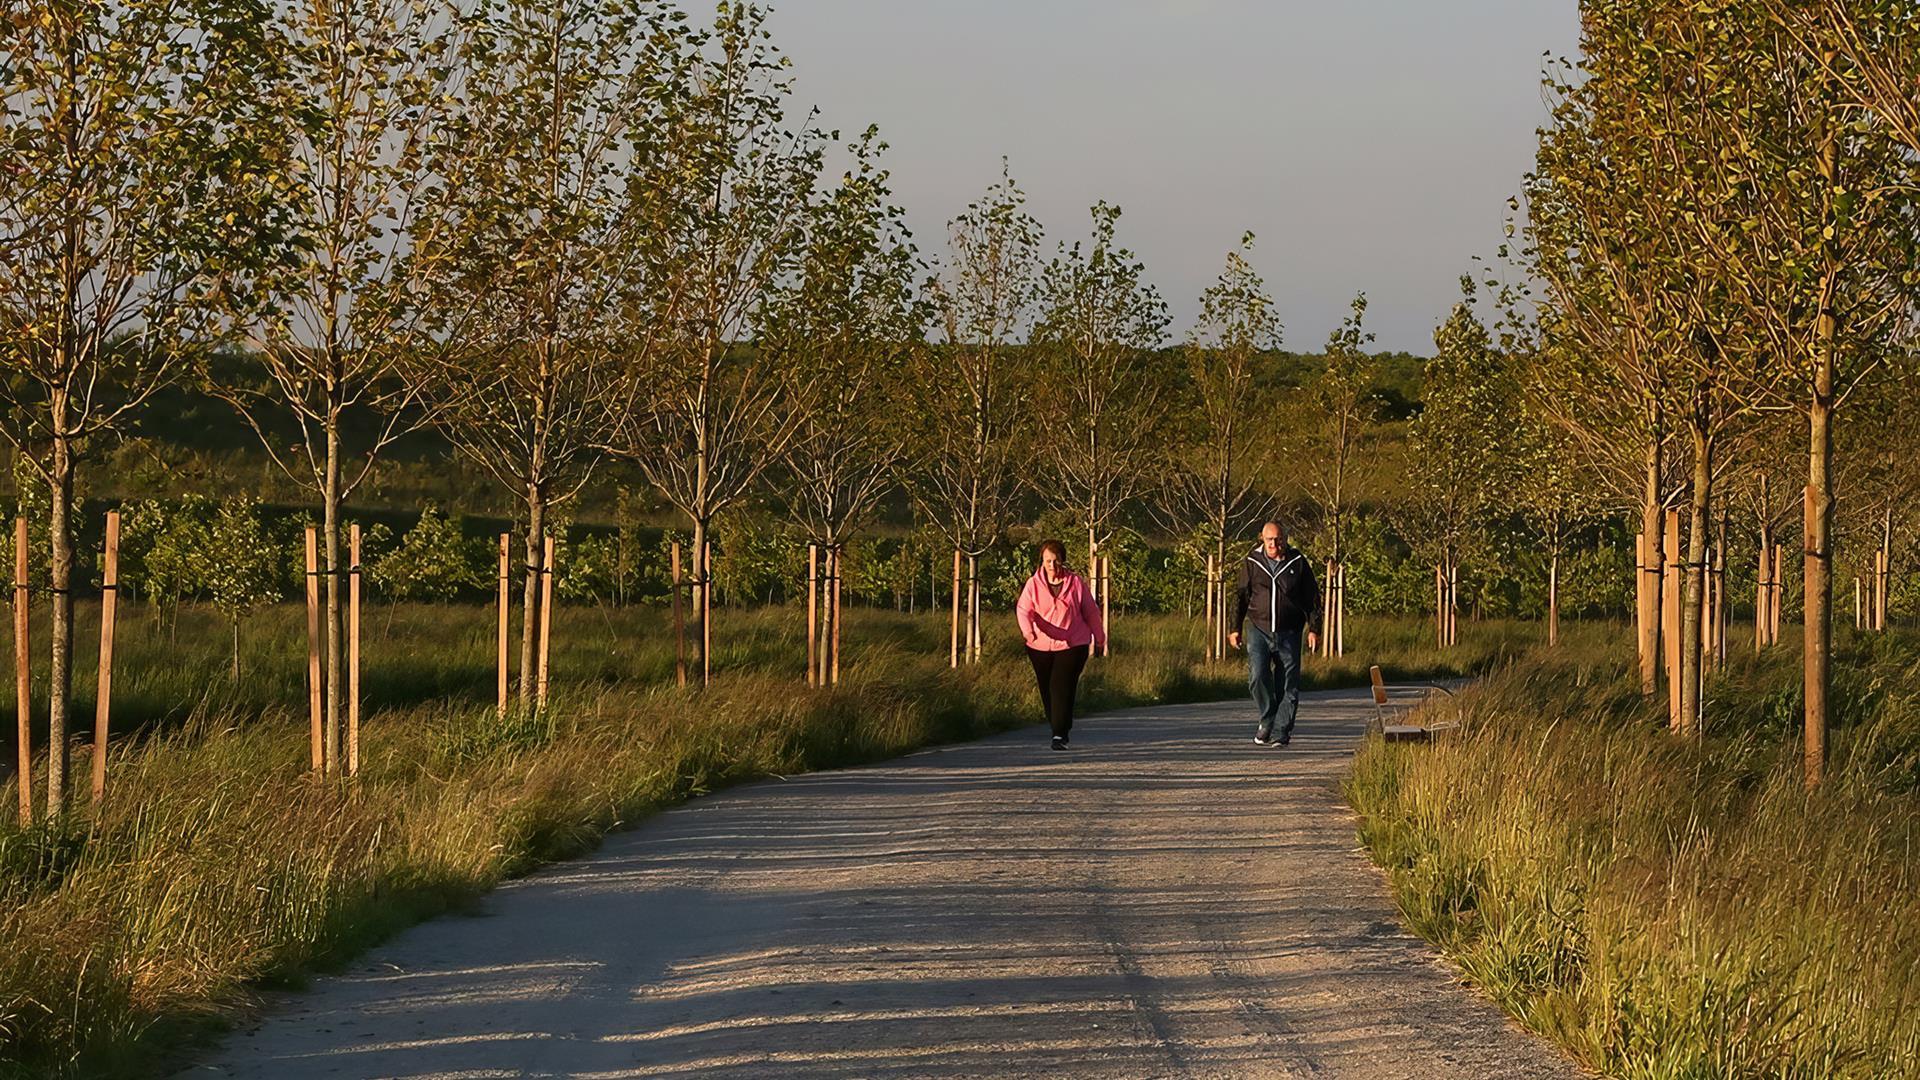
(1668, 909)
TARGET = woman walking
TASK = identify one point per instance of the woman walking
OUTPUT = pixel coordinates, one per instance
(1061, 622)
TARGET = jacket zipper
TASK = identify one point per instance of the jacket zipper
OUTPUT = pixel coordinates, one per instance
(1273, 589)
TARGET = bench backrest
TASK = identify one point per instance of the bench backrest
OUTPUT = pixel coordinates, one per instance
(1379, 685)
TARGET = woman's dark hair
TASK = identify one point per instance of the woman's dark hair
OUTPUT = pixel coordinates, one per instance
(1059, 552)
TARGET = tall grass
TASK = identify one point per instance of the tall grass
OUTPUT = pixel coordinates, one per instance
(218, 866)
(1663, 908)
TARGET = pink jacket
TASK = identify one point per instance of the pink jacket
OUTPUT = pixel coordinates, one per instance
(1053, 623)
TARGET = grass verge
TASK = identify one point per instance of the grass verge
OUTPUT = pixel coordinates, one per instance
(1665, 908)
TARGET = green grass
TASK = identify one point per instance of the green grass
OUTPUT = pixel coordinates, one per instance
(1665, 908)
(218, 866)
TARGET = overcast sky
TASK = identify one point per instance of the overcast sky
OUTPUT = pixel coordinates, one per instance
(1371, 144)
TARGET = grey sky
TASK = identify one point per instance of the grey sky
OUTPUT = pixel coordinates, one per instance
(1371, 144)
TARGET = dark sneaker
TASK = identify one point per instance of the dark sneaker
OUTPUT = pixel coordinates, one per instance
(1059, 743)
(1263, 738)
(1286, 737)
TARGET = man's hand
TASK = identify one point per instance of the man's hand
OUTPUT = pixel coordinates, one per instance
(1233, 639)
(1313, 641)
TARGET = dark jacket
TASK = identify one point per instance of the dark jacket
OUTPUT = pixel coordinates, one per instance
(1290, 598)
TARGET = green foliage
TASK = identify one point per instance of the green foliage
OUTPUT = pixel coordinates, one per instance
(840, 336)
(1343, 409)
(196, 548)
(1458, 470)
(244, 564)
(1211, 471)
(1099, 377)
(435, 561)
(755, 560)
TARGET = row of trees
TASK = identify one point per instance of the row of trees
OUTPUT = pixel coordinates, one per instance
(563, 235)
(559, 234)
(1723, 234)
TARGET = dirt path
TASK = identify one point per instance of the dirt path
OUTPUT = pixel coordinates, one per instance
(1165, 900)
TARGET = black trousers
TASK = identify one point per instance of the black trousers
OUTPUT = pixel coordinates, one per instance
(1058, 673)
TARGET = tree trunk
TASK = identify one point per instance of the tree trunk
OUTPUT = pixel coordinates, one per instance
(1692, 598)
(60, 532)
(530, 592)
(1818, 504)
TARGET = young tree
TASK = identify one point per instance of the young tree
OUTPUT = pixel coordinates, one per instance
(361, 86)
(1098, 374)
(242, 565)
(1598, 374)
(841, 334)
(525, 247)
(720, 204)
(1215, 458)
(1344, 405)
(1457, 472)
(964, 475)
(135, 156)
(1554, 488)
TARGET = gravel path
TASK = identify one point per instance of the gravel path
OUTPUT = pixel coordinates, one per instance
(1165, 900)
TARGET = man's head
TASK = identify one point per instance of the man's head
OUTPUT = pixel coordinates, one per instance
(1273, 539)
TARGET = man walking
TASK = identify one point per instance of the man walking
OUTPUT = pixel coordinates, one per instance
(1278, 589)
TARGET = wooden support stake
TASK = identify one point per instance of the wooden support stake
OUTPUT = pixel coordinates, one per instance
(1340, 617)
(1671, 575)
(506, 610)
(1106, 606)
(1553, 598)
(833, 646)
(1760, 593)
(1780, 592)
(679, 624)
(1859, 613)
(1884, 577)
(1440, 604)
(813, 613)
(103, 684)
(1705, 610)
(1881, 565)
(1641, 624)
(1226, 602)
(1453, 605)
(1722, 611)
(953, 659)
(546, 622)
(973, 609)
(353, 650)
(707, 613)
(315, 691)
(1212, 594)
(22, 665)
(1326, 612)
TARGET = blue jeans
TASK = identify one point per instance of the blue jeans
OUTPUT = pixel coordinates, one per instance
(1273, 674)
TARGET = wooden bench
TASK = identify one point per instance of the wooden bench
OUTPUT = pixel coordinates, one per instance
(1384, 710)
